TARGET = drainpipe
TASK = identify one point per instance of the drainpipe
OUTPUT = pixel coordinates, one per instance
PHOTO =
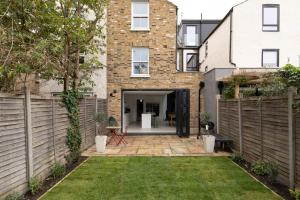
(201, 86)
(230, 42)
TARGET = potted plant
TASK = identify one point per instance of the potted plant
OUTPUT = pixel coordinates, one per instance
(208, 139)
(100, 138)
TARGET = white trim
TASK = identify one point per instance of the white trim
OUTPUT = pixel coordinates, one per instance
(140, 15)
(140, 76)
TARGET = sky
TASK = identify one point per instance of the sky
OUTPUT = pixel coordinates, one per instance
(211, 9)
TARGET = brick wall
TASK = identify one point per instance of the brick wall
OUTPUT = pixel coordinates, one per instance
(161, 41)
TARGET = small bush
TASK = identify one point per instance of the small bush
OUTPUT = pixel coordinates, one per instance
(263, 168)
(15, 196)
(34, 185)
(229, 92)
(57, 171)
(72, 157)
(295, 194)
(272, 171)
(237, 157)
(260, 168)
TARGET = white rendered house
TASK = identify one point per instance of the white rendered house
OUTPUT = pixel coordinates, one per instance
(255, 34)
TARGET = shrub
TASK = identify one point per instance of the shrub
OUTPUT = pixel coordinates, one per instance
(34, 185)
(295, 194)
(272, 171)
(72, 157)
(263, 168)
(57, 171)
(237, 157)
(229, 91)
(204, 119)
(15, 196)
(260, 168)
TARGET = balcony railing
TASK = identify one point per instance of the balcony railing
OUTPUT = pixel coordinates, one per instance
(191, 40)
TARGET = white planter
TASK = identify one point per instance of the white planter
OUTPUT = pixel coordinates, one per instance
(100, 143)
(209, 143)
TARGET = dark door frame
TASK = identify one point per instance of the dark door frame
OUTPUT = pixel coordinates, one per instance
(141, 90)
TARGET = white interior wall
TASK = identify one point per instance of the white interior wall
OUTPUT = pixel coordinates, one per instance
(131, 99)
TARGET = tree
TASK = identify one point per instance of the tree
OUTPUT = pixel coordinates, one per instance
(49, 37)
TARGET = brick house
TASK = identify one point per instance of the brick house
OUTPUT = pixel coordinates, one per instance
(145, 90)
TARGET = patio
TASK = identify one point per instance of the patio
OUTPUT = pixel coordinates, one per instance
(161, 145)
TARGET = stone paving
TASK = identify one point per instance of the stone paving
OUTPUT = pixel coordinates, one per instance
(161, 145)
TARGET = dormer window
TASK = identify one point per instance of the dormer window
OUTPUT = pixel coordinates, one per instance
(140, 15)
(271, 17)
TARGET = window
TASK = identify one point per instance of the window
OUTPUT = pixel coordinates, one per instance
(192, 62)
(140, 15)
(140, 62)
(191, 36)
(271, 17)
(270, 57)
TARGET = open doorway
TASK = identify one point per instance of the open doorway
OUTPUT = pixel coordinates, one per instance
(149, 112)
(156, 111)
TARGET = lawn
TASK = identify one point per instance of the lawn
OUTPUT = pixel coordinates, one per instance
(207, 178)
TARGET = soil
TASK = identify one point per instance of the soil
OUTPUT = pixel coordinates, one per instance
(50, 182)
(277, 187)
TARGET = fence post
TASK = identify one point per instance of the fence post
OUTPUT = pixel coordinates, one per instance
(29, 155)
(291, 93)
(240, 125)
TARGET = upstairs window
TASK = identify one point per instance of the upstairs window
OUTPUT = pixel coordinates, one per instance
(192, 62)
(140, 15)
(191, 37)
(271, 17)
(270, 57)
(140, 62)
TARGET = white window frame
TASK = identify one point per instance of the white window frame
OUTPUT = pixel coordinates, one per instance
(140, 16)
(143, 61)
(270, 50)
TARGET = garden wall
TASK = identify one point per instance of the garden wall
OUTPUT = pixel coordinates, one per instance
(260, 129)
(33, 136)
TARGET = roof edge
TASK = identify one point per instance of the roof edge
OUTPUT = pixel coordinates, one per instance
(217, 27)
(171, 3)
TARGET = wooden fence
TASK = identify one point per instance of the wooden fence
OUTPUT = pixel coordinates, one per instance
(267, 129)
(33, 136)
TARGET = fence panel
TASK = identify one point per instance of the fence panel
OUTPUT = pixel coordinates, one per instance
(90, 122)
(102, 108)
(275, 134)
(12, 145)
(61, 124)
(49, 129)
(251, 130)
(42, 136)
(229, 121)
(297, 150)
(82, 117)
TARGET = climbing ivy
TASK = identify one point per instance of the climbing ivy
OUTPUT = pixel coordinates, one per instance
(71, 100)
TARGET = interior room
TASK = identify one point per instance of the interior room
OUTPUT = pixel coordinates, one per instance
(149, 112)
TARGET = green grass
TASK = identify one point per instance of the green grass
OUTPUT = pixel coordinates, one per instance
(207, 178)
